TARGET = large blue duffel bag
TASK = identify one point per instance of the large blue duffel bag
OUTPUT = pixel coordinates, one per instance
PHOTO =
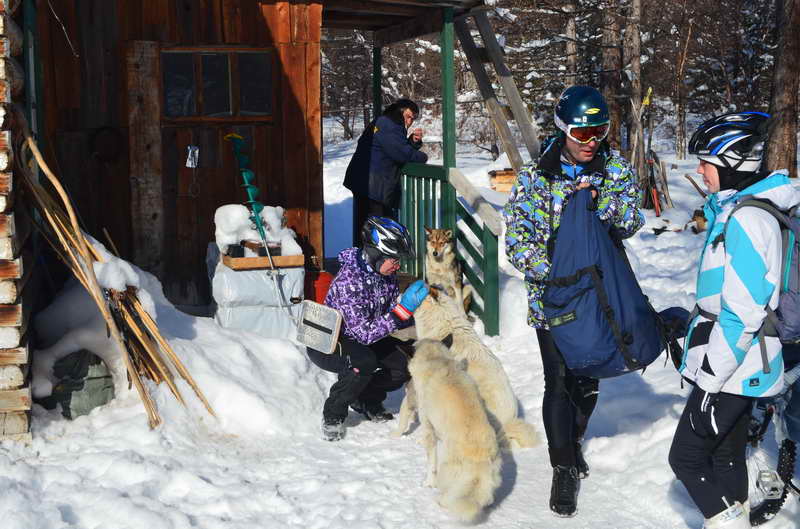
(598, 316)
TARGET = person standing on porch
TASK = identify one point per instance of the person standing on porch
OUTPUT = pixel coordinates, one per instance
(373, 174)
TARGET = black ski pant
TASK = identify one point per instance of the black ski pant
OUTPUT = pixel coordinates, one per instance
(569, 401)
(366, 372)
(364, 207)
(713, 468)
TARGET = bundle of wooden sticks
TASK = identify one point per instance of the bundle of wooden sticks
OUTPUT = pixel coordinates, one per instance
(145, 351)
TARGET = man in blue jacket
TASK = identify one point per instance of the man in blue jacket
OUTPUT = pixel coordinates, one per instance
(383, 148)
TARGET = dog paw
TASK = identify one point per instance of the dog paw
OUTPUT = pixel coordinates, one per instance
(397, 433)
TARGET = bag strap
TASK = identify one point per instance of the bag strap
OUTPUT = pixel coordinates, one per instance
(767, 329)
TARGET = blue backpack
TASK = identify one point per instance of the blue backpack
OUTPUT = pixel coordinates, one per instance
(598, 316)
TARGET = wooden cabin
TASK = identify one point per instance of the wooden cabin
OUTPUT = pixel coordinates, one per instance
(126, 87)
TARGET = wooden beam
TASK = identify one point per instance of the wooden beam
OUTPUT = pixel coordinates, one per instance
(144, 113)
(425, 3)
(14, 356)
(13, 424)
(417, 27)
(356, 21)
(15, 400)
(363, 6)
(520, 111)
(487, 92)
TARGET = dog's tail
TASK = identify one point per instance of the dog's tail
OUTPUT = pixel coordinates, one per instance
(468, 486)
(519, 433)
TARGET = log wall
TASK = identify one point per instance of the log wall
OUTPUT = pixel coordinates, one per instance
(15, 243)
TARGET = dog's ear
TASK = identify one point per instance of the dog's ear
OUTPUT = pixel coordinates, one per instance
(428, 232)
(448, 234)
(448, 340)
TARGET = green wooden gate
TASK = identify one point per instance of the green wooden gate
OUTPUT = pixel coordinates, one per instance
(425, 203)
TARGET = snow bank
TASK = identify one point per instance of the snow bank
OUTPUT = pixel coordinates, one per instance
(258, 387)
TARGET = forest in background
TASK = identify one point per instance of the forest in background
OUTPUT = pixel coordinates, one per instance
(699, 57)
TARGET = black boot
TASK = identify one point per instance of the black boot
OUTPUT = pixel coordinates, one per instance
(564, 491)
(333, 429)
(580, 463)
(374, 412)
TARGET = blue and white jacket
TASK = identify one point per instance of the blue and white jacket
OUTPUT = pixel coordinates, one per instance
(736, 281)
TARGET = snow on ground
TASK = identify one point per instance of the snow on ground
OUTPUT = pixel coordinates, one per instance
(261, 463)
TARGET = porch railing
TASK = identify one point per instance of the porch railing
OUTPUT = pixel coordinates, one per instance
(436, 197)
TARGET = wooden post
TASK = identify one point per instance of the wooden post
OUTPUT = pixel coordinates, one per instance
(448, 117)
(491, 283)
(377, 77)
(144, 116)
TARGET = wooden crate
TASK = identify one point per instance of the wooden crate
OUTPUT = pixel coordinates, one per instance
(502, 180)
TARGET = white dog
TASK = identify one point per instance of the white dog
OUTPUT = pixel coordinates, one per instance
(438, 317)
(463, 455)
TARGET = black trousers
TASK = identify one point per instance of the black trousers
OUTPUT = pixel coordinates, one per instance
(364, 207)
(713, 469)
(366, 372)
(569, 401)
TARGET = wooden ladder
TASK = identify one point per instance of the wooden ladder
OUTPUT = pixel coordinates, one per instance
(492, 53)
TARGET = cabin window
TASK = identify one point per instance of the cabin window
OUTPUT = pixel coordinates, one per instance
(217, 84)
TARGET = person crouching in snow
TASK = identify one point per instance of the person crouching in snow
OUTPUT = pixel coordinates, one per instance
(367, 359)
(728, 358)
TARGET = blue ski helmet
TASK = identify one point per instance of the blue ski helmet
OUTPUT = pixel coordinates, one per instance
(735, 144)
(581, 106)
(384, 237)
(734, 140)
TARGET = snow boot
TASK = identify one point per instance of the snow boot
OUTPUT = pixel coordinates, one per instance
(374, 412)
(580, 462)
(333, 429)
(564, 491)
(734, 517)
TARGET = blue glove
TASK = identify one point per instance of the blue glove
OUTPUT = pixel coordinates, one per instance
(411, 300)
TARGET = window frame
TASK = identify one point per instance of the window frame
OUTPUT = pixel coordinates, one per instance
(234, 85)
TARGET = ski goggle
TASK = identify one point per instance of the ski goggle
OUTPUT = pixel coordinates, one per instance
(588, 134)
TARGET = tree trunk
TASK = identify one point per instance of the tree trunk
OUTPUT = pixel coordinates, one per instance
(782, 147)
(572, 42)
(633, 41)
(612, 67)
(680, 97)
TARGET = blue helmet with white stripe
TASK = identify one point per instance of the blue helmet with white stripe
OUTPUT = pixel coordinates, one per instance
(734, 142)
(384, 237)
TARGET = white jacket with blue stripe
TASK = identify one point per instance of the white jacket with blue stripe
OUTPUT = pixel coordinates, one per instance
(736, 281)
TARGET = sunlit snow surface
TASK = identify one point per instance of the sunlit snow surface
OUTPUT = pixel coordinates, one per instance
(262, 465)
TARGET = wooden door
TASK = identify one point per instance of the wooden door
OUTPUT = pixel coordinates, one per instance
(192, 195)
(208, 93)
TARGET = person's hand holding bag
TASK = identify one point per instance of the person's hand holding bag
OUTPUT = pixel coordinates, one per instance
(411, 299)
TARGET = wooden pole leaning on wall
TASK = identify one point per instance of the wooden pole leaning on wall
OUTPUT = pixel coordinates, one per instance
(142, 340)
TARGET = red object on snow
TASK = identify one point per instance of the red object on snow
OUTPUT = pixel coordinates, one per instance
(317, 285)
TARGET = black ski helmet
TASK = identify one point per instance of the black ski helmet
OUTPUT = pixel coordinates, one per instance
(735, 144)
(580, 106)
(384, 238)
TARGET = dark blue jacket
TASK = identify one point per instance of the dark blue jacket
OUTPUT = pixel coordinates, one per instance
(388, 149)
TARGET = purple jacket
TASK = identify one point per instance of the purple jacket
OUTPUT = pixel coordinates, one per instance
(364, 297)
